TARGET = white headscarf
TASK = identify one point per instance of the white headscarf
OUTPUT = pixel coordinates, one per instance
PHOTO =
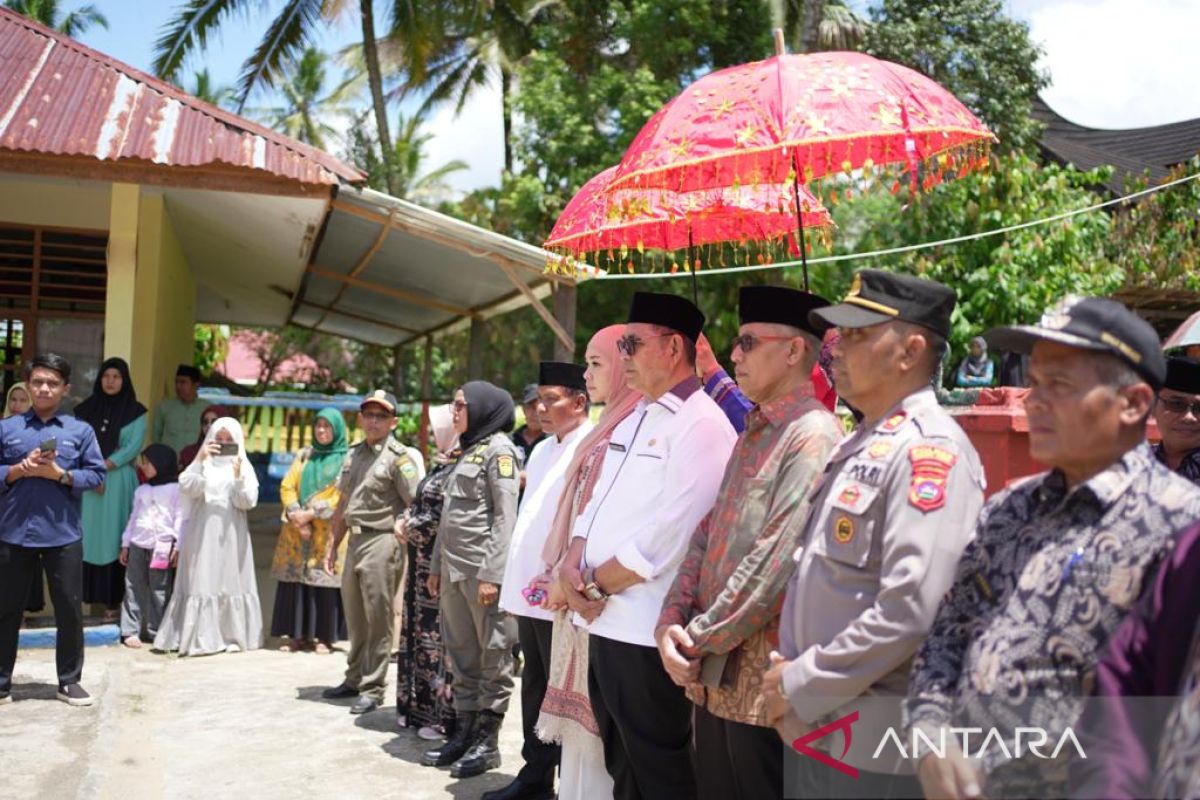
(218, 470)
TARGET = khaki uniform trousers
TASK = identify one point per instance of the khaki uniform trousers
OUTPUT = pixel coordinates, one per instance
(373, 564)
(478, 641)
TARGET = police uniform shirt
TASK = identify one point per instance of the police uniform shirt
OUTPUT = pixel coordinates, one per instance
(659, 478)
(479, 512)
(890, 518)
(545, 477)
(379, 482)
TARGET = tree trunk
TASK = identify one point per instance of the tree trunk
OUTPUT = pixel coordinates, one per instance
(505, 90)
(810, 25)
(375, 80)
(476, 349)
(564, 312)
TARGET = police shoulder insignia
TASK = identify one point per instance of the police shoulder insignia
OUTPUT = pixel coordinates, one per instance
(843, 530)
(880, 449)
(893, 423)
(931, 467)
(506, 466)
(407, 468)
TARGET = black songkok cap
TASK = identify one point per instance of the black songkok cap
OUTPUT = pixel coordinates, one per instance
(782, 306)
(187, 371)
(877, 296)
(668, 310)
(1183, 375)
(559, 373)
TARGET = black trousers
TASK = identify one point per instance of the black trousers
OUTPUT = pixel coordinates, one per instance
(735, 761)
(809, 778)
(645, 722)
(64, 572)
(541, 759)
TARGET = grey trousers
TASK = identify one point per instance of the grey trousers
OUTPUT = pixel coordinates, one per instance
(478, 641)
(373, 562)
(146, 595)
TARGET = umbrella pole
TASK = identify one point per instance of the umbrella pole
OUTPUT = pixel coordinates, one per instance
(692, 267)
(800, 218)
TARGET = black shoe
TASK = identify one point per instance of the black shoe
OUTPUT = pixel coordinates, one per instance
(520, 790)
(364, 705)
(484, 753)
(73, 695)
(457, 744)
(340, 692)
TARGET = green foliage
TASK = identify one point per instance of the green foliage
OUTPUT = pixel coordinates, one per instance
(308, 106)
(49, 13)
(971, 47)
(342, 364)
(1157, 241)
(211, 346)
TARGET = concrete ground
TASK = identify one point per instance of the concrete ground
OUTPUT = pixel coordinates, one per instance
(243, 724)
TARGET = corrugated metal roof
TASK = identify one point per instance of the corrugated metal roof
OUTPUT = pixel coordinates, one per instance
(59, 97)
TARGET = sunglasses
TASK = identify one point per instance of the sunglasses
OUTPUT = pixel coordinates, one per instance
(1180, 407)
(748, 341)
(630, 343)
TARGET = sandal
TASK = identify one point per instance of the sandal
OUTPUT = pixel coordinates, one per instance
(321, 648)
(132, 642)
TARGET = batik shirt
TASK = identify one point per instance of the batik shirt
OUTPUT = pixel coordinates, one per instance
(1189, 467)
(729, 589)
(1051, 574)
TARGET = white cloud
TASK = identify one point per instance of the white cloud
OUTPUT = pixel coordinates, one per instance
(1118, 63)
(475, 136)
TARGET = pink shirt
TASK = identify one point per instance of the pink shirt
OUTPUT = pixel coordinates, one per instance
(157, 513)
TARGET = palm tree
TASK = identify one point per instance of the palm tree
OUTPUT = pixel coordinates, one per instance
(813, 25)
(290, 33)
(307, 109)
(410, 157)
(203, 88)
(47, 12)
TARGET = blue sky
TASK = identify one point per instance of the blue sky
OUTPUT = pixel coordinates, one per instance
(1113, 64)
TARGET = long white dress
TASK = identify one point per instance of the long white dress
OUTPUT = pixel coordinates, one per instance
(215, 605)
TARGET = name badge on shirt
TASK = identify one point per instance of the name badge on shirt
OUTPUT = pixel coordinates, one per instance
(620, 448)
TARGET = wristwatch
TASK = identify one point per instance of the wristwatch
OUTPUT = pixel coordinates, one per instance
(65, 479)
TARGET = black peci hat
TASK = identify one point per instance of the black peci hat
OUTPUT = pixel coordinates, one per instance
(669, 310)
(1183, 375)
(877, 296)
(187, 371)
(559, 373)
(782, 306)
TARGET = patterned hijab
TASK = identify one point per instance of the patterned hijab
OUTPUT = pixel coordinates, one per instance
(325, 463)
(584, 468)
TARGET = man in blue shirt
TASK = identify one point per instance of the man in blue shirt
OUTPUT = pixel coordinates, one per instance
(47, 462)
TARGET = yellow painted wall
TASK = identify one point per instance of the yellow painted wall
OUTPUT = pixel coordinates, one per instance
(59, 203)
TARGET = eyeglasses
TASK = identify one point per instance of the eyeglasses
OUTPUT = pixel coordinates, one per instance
(375, 416)
(748, 341)
(460, 405)
(630, 343)
(1177, 406)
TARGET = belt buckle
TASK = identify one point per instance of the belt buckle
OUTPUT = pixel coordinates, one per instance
(356, 529)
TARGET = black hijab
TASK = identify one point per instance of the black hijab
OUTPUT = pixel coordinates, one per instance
(108, 414)
(166, 464)
(489, 410)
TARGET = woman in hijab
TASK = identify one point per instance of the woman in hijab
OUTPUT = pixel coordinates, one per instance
(308, 600)
(119, 420)
(976, 369)
(215, 606)
(566, 715)
(211, 414)
(422, 689)
(17, 401)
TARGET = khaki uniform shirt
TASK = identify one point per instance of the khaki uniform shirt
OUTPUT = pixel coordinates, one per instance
(480, 512)
(379, 482)
(890, 519)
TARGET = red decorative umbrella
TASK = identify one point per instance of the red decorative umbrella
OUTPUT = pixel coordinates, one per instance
(798, 118)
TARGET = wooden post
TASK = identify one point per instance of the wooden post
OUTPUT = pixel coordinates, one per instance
(564, 312)
(426, 395)
(397, 372)
(780, 48)
(477, 348)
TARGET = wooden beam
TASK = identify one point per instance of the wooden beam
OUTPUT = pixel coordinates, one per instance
(384, 230)
(390, 291)
(567, 340)
(449, 241)
(352, 315)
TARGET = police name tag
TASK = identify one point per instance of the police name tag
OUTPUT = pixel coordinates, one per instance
(620, 448)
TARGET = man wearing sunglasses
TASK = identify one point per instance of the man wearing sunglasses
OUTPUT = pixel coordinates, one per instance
(890, 518)
(1177, 413)
(721, 618)
(659, 478)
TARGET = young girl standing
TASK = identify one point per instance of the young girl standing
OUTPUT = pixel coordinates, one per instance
(149, 545)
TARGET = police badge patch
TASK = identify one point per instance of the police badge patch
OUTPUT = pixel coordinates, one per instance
(506, 467)
(931, 467)
(843, 530)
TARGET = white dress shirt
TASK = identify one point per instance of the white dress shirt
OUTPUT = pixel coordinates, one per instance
(545, 477)
(660, 476)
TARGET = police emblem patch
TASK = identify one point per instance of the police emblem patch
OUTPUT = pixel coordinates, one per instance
(931, 467)
(880, 449)
(893, 423)
(843, 530)
(850, 495)
(407, 468)
(506, 467)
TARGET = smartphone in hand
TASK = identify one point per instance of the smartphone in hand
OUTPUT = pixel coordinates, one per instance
(48, 445)
(227, 449)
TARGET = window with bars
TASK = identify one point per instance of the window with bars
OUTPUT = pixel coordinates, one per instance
(54, 271)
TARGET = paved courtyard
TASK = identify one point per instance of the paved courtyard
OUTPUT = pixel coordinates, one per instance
(232, 725)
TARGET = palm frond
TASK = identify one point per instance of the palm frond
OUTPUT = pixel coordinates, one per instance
(188, 31)
(289, 34)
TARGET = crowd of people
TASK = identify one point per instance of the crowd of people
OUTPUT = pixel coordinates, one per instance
(704, 580)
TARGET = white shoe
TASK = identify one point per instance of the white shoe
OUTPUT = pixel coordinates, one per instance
(429, 733)
(233, 648)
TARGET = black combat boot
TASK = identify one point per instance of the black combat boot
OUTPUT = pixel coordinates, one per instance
(465, 723)
(484, 753)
